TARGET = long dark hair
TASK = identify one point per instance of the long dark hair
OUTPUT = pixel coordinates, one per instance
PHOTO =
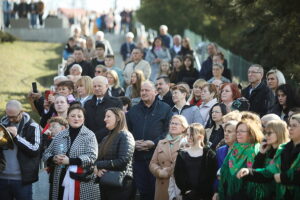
(291, 97)
(212, 123)
(120, 126)
(191, 58)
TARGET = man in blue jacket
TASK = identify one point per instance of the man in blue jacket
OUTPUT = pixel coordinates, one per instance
(148, 121)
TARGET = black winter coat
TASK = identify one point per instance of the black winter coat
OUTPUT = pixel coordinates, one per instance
(261, 99)
(95, 114)
(119, 155)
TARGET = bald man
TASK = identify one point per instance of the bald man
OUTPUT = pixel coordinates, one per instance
(22, 162)
(95, 107)
(148, 121)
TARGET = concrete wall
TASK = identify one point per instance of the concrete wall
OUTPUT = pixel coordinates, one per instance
(60, 35)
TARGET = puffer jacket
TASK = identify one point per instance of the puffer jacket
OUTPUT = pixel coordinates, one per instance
(119, 155)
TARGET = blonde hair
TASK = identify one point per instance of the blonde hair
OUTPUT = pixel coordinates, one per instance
(280, 129)
(200, 83)
(254, 130)
(182, 120)
(233, 115)
(197, 129)
(85, 81)
(114, 74)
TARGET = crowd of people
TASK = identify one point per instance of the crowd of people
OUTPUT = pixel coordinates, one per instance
(23, 9)
(155, 126)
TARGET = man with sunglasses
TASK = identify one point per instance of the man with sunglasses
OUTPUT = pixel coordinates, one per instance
(22, 162)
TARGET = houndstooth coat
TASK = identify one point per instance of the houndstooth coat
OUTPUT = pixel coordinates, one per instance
(85, 147)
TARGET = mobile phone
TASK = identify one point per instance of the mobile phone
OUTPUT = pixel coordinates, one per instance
(34, 87)
(47, 92)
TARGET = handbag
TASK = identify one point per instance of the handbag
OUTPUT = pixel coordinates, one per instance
(112, 179)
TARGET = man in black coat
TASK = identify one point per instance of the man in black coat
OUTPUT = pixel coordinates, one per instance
(163, 90)
(79, 59)
(260, 97)
(95, 107)
(206, 66)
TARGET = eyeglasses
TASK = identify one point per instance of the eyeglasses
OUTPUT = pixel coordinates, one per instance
(268, 133)
(293, 126)
(14, 117)
(254, 72)
(97, 71)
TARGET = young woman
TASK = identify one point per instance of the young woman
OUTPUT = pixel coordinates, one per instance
(229, 93)
(177, 67)
(72, 153)
(195, 97)
(188, 74)
(84, 88)
(114, 89)
(163, 159)
(209, 98)
(249, 135)
(186, 48)
(116, 154)
(196, 167)
(134, 89)
(287, 99)
(215, 133)
(164, 69)
(155, 55)
(275, 78)
(179, 96)
(276, 133)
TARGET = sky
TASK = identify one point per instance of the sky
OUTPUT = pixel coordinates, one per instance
(98, 5)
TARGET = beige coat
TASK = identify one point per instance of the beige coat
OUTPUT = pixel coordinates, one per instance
(164, 157)
(143, 65)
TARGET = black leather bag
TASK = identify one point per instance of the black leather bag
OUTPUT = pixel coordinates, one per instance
(112, 179)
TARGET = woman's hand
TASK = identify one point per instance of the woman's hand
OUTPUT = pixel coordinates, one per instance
(264, 147)
(243, 172)
(163, 173)
(61, 159)
(100, 172)
(277, 178)
(51, 99)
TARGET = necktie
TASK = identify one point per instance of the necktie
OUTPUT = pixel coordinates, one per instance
(98, 101)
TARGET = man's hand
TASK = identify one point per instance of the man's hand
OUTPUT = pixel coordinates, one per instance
(277, 178)
(12, 130)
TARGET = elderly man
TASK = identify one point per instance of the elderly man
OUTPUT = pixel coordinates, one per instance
(95, 107)
(100, 39)
(87, 70)
(165, 36)
(148, 121)
(176, 48)
(22, 162)
(127, 47)
(260, 97)
(137, 63)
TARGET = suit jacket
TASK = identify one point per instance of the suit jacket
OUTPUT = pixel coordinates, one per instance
(95, 114)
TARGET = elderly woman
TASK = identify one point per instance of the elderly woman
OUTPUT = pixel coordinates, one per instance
(276, 135)
(275, 78)
(155, 55)
(163, 159)
(209, 98)
(241, 155)
(217, 71)
(84, 88)
(181, 107)
(71, 154)
(196, 167)
(114, 89)
(115, 155)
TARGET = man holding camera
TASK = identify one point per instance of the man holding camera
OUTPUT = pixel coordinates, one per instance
(21, 164)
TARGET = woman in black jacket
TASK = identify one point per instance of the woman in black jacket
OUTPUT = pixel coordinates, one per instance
(115, 154)
(196, 167)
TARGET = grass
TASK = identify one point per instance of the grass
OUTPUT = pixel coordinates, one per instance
(23, 63)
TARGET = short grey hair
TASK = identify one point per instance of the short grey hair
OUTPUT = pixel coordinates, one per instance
(101, 79)
(163, 27)
(77, 66)
(149, 83)
(260, 68)
(279, 75)
(14, 104)
(61, 78)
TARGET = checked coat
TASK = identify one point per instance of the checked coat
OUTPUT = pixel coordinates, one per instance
(84, 147)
